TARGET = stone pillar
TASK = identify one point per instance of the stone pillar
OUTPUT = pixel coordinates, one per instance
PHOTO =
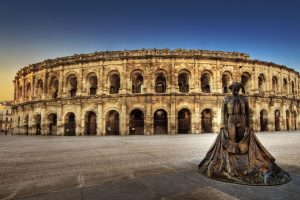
(60, 121)
(78, 119)
(218, 85)
(100, 84)
(46, 88)
(149, 121)
(197, 117)
(100, 119)
(61, 83)
(31, 97)
(254, 81)
(123, 116)
(172, 118)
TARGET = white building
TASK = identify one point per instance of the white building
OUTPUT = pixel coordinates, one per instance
(5, 116)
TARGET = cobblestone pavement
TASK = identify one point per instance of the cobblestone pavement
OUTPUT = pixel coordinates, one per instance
(131, 167)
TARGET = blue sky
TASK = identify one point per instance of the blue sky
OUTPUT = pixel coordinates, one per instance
(31, 31)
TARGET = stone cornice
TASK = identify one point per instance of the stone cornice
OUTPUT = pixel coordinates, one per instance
(147, 54)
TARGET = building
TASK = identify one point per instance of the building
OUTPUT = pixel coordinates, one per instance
(150, 91)
(6, 116)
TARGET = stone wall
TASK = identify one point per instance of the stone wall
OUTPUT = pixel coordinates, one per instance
(46, 88)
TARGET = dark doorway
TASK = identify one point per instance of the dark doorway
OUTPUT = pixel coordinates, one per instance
(206, 121)
(184, 121)
(70, 124)
(137, 83)
(287, 120)
(93, 84)
(160, 83)
(52, 124)
(38, 124)
(263, 120)
(183, 83)
(114, 84)
(26, 125)
(160, 122)
(136, 123)
(90, 124)
(277, 120)
(112, 123)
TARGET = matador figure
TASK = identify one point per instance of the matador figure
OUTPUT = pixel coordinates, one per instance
(237, 155)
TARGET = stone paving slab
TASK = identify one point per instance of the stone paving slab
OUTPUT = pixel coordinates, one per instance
(156, 167)
(176, 186)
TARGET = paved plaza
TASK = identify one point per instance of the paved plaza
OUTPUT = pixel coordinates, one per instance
(131, 167)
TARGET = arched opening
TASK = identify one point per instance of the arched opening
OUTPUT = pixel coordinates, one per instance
(52, 120)
(206, 121)
(114, 81)
(160, 83)
(277, 120)
(287, 113)
(113, 123)
(90, 124)
(245, 80)
(28, 91)
(263, 120)
(261, 83)
(160, 122)
(183, 82)
(39, 89)
(72, 85)
(70, 124)
(274, 84)
(26, 124)
(92, 83)
(285, 84)
(293, 88)
(54, 83)
(295, 120)
(19, 122)
(205, 82)
(20, 92)
(184, 121)
(137, 82)
(38, 120)
(226, 80)
(136, 122)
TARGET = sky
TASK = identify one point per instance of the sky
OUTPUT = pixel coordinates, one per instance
(34, 30)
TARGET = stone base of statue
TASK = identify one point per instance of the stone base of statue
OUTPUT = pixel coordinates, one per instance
(246, 162)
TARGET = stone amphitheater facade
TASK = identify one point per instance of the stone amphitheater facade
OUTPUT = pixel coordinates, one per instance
(150, 91)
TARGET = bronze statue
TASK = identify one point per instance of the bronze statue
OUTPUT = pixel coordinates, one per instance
(237, 155)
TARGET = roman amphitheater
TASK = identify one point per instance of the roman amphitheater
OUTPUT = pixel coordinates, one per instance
(150, 91)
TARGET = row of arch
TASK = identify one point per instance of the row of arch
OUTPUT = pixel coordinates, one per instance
(112, 123)
(137, 122)
(137, 79)
(290, 120)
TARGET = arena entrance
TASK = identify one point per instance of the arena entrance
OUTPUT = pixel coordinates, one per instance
(113, 123)
(206, 121)
(136, 122)
(70, 124)
(277, 120)
(295, 120)
(160, 122)
(52, 124)
(37, 119)
(263, 120)
(26, 125)
(184, 121)
(287, 120)
(90, 124)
